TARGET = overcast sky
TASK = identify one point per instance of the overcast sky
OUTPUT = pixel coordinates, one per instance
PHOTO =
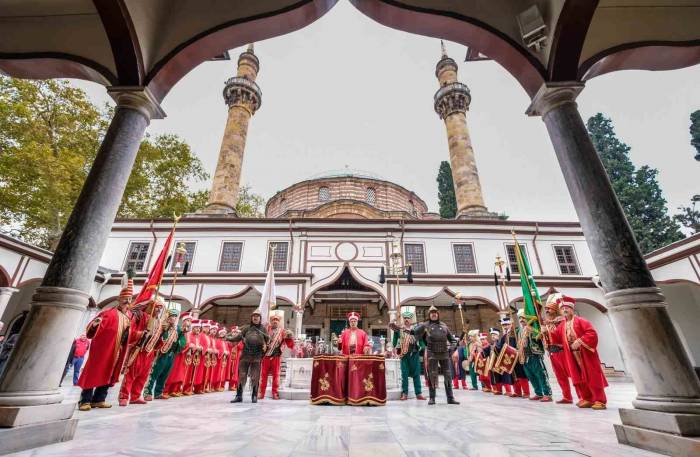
(347, 91)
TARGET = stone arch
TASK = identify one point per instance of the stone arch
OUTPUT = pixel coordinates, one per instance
(20, 303)
(683, 304)
(5, 279)
(110, 301)
(253, 300)
(446, 290)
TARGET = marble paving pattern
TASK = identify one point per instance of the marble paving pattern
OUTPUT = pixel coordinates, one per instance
(483, 425)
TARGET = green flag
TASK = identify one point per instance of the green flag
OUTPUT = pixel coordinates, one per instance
(531, 297)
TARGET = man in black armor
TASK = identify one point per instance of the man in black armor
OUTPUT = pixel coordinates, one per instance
(255, 341)
(438, 339)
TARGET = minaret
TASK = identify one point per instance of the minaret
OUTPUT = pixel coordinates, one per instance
(243, 97)
(452, 103)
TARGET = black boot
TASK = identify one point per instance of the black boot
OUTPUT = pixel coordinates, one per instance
(254, 395)
(239, 395)
(450, 395)
(432, 396)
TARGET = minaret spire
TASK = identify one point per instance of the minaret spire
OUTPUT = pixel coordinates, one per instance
(243, 97)
(452, 103)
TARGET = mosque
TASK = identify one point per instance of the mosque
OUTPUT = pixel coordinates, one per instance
(341, 242)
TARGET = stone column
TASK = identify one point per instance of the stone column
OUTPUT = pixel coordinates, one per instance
(34, 369)
(668, 390)
(243, 97)
(298, 316)
(5, 295)
(451, 102)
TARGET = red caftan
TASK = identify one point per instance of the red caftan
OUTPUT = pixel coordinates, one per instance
(583, 365)
(236, 351)
(107, 352)
(202, 369)
(361, 341)
(176, 378)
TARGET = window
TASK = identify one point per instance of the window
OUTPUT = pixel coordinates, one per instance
(566, 260)
(371, 196)
(278, 251)
(136, 256)
(464, 258)
(512, 260)
(231, 256)
(283, 205)
(324, 194)
(189, 246)
(415, 255)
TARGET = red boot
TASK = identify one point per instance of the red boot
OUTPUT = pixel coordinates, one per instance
(455, 384)
(464, 384)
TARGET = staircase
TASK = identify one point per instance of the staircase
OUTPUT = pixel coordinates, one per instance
(614, 375)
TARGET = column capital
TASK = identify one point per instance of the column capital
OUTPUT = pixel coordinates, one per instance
(553, 94)
(137, 98)
(7, 290)
(635, 298)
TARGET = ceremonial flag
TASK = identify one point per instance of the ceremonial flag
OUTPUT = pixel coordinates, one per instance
(268, 301)
(531, 297)
(155, 276)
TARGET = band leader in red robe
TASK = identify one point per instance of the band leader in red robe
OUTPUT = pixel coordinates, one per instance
(109, 332)
(354, 340)
(202, 370)
(580, 341)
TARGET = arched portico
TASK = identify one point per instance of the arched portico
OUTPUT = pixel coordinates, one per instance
(235, 309)
(141, 57)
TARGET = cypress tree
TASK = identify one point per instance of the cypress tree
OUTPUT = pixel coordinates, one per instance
(446, 191)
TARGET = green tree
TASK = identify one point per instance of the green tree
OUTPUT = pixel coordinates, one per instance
(49, 135)
(446, 191)
(637, 189)
(249, 204)
(695, 132)
(689, 217)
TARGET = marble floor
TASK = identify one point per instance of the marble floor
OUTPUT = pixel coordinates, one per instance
(483, 425)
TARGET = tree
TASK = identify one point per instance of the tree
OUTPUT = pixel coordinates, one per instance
(49, 136)
(689, 217)
(637, 190)
(249, 204)
(158, 185)
(446, 191)
(695, 132)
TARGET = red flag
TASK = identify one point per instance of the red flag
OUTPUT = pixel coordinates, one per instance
(156, 273)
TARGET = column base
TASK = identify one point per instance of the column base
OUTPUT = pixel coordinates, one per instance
(215, 209)
(666, 433)
(27, 427)
(473, 214)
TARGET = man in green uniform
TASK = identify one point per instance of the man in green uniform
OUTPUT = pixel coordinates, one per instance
(409, 350)
(532, 350)
(172, 341)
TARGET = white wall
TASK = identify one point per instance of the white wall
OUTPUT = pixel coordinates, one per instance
(683, 301)
(608, 348)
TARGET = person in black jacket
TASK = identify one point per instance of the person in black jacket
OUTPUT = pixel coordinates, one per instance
(255, 340)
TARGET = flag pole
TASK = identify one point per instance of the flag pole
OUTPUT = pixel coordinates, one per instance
(521, 264)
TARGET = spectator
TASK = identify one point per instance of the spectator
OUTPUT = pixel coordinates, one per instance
(82, 344)
(69, 362)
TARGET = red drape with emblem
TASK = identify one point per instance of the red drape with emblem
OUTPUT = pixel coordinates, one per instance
(329, 380)
(366, 380)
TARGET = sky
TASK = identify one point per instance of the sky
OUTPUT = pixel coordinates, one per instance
(347, 92)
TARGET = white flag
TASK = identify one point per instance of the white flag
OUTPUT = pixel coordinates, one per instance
(268, 301)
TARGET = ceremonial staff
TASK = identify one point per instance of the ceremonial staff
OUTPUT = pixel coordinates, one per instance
(397, 268)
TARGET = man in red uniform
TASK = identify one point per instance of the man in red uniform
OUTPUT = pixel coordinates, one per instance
(202, 370)
(109, 332)
(195, 357)
(580, 340)
(176, 378)
(556, 351)
(272, 361)
(236, 351)
(146, 331)
(353, 340)
(485, 380)
(224, 348)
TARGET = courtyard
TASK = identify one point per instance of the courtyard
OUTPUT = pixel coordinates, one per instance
(481, 426)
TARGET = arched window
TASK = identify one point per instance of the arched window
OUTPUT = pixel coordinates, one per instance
(414, 212)
(371, 197)
(283, 205)
(324, 194)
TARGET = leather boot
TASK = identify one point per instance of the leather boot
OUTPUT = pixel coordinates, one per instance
(432, 396)
(254, 395)
(450, 395)
(239, 395)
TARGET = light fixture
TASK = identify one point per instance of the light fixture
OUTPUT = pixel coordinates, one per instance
(532, 28)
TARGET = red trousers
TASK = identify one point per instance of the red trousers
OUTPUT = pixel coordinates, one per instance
(270, 365)
(485, 382)
(591, 394)
(137, 376)
(521, 387)
(562, 374)
(498, 387)
(172, 387)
